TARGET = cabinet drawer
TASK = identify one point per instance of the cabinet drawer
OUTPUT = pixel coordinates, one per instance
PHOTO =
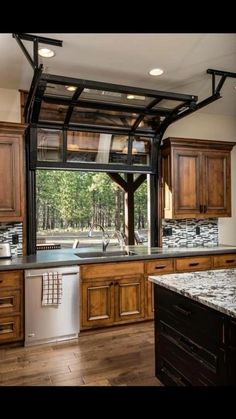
(188, 317)
(10, 328)
(225, 261)
(192, 264)
(232, 334)
(10, 301)
(111, 270)
(160, 266)
(192, 367)
(11, 279)
(170, 375)
(197, 351)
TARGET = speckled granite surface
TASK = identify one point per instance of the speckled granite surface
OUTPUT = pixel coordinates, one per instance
(215, 288)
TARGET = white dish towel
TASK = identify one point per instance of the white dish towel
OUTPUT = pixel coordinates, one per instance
(51, 288)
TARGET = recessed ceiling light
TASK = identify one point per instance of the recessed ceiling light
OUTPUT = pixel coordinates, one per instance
(46, 52)
(71, 88)
(136, 97)
(156, 72)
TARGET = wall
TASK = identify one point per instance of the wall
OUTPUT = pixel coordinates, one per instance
(213, 127)
(184, 233)
(10, 105)
(8, 231)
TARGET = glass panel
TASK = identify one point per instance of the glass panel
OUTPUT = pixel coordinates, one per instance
(119, 149)
(82, 146)
(59, 90)
(96, 147)
(151, 122)
(102, 117)
(168, 103)
(141, 151)
(131, 99)
(52, 113)
(49, 144)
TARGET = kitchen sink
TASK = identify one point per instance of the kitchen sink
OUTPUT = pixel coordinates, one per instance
(100, 254)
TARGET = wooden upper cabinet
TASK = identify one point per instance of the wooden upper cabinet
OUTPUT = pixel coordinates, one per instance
(11, 172)
(195, 179)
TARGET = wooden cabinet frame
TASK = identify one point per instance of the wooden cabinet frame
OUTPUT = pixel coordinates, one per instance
(195, 179)
(12, 174)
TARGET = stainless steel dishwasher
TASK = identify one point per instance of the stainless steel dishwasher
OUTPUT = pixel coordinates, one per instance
(45, 322)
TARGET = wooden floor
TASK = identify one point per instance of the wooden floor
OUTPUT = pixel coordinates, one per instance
(122, 356)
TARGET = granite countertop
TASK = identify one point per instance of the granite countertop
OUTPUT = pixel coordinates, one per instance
(215, 288)
(66, 257)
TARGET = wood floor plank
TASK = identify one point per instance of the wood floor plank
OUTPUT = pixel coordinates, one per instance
(121, 356)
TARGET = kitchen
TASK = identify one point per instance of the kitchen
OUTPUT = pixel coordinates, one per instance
(195, 232)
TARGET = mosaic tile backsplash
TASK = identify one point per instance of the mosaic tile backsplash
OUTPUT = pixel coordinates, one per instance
(7, 230)
(184, 233)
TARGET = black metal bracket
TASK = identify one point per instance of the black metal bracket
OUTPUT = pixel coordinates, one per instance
(36, 40)
(185, 109)
(223, 74)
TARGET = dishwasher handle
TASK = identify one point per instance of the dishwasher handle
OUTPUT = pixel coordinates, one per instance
(68, 270)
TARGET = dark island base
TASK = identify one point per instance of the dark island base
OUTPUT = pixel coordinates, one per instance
(194, 344)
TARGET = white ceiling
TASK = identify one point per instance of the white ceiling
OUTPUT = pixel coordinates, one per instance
(127, 58)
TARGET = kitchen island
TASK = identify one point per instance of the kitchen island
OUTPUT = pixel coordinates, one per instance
(195, 327)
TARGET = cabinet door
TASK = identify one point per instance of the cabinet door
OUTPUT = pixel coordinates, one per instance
(216, 184)
(150, 300)
(97, 303)
(11, 177)
(186, 183)
(129, 298)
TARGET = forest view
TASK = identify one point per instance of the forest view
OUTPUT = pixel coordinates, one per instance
(72, 200)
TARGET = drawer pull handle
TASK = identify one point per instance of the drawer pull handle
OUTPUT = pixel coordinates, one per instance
(230, 260)
(172, 376)
(6, 327)
(194, 264)
(7, 301)
(181, 310)
(160, 267)
(187, 344)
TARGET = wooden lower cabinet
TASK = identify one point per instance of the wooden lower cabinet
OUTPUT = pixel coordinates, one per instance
(11, 306)
(155, 267)
(112, 293)
(97, 303)
(149, 300)
(117, 293)
(129, 298)
(112, 301)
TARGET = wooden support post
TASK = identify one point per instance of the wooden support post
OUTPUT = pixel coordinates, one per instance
(153, 210)
(129, 187)
(129, 209)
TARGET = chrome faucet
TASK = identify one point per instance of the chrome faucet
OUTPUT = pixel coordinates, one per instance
(119, 236)
(105, 236)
